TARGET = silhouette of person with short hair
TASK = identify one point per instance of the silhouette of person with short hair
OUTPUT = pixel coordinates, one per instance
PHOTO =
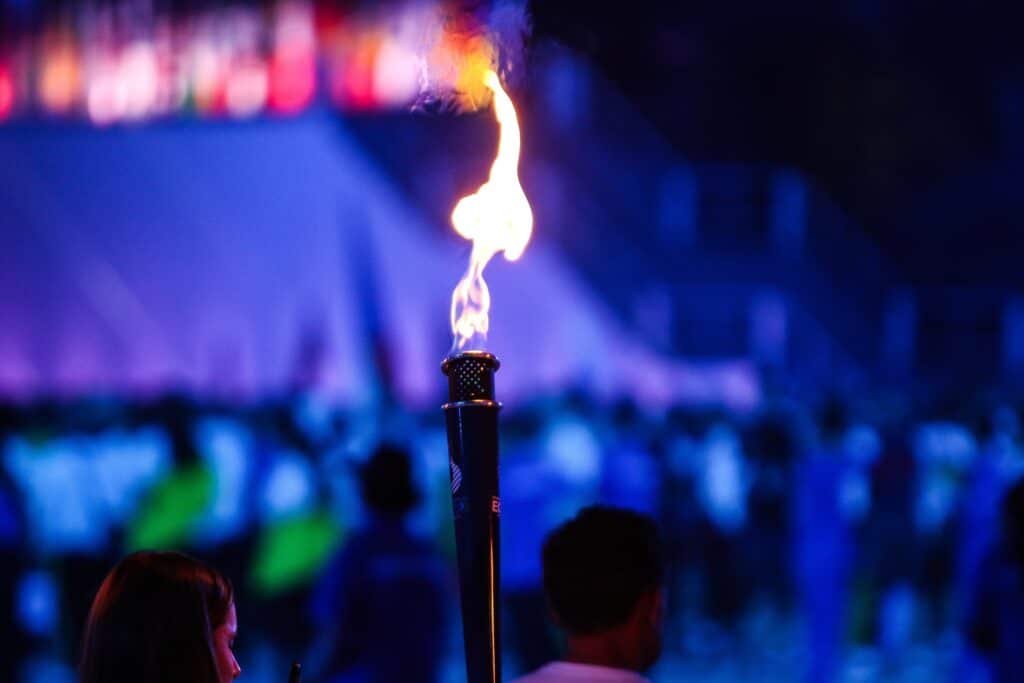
(603, 578)
(381, 604)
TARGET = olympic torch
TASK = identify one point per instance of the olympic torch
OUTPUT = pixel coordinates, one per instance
(496, 217)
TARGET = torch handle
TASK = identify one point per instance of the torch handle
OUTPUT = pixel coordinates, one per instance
(473, 451)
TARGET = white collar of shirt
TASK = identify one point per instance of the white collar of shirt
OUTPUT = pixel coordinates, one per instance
(570, 671)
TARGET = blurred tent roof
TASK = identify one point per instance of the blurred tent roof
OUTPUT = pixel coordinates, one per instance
(232, 259)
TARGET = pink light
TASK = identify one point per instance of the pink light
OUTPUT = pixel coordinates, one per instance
(246, 90)
(293, 65)
(105, 99)
(292, 79)
(6, 93)
(138, 80)
(396, 74)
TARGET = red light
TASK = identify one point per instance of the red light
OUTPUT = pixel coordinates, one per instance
(327, 21)
(359, 82)
(6, 93)
(351, 78)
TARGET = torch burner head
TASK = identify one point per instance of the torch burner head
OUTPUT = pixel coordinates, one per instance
(470, 376)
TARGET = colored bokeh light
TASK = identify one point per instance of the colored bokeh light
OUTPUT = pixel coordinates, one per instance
(6, 93)
(243, 62)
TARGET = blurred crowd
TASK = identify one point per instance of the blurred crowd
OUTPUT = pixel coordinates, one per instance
(850, 524)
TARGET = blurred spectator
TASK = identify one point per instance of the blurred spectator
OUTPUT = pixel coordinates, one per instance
(11, 565)
(888, 539)
(996, 467)
(603, 577)
(823, 544)
(993, 469)
(572, 448)
(995, 615)
(630, 477)
(722, 493)
(771, 449)
(380, 606)
(680, 517)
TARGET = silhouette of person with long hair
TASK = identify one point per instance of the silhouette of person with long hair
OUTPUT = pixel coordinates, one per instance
(161, 617)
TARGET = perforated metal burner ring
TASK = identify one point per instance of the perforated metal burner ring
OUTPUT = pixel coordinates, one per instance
(470, 376)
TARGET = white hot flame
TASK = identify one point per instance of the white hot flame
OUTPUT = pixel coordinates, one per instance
(497, 217)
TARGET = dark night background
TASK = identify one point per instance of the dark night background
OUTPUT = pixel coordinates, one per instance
(904, 111)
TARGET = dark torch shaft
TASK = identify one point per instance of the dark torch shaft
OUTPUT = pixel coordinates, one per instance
(472, 424)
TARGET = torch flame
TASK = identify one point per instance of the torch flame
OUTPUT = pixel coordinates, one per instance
(495, 218)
